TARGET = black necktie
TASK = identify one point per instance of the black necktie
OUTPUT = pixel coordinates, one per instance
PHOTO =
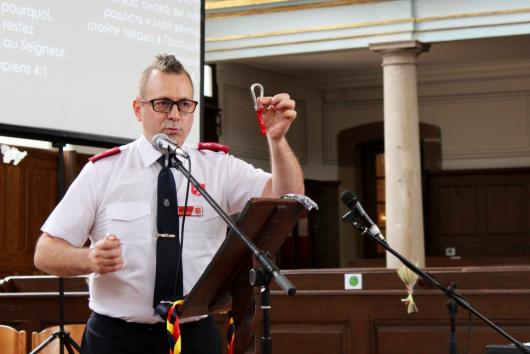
(168, 286)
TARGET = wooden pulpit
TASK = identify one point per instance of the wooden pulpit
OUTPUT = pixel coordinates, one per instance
(224, 284)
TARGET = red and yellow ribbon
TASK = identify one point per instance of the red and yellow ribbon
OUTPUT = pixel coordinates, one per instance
(231, 335)
(173, 329)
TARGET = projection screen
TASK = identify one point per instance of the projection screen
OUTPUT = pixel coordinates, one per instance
(74, 65)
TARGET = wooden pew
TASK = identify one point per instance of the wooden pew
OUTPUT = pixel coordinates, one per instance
(31, 303)
(41, 283)
(324, 318)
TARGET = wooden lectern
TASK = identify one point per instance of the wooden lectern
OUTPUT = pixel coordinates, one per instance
(225, 284)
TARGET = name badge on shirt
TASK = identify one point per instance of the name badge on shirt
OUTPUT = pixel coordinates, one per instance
(190, 210)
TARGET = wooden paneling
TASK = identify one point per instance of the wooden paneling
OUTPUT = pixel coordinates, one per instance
(12, 212)
(479, 213)
(396, 337)
(28, 194)
(311, 338)
(324, 318)
(506, 209)
(460, 205)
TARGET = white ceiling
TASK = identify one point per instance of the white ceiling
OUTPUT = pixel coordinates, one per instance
(514, 48)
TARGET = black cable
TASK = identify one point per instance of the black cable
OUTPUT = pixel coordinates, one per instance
(179, 259)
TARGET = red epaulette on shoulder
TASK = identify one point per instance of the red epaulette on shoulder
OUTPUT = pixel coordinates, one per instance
(214, 147)
(113, 151)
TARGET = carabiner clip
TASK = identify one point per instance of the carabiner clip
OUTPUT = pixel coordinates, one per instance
(253, 94)
(258, 107)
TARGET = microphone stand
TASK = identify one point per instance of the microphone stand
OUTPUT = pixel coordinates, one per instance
(258, 276)
(450, 292)
(452, 306)
(65, 340)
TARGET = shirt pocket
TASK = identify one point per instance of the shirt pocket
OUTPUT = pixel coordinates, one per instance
(206, 224)
(130, 221)
(202, 237)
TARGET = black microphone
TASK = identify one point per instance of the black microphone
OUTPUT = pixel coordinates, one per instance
(350, 199)
(161, 142)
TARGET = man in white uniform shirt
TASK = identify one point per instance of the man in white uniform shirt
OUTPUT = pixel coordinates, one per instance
(113, 202)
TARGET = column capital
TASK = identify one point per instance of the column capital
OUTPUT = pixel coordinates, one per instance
(404, 52)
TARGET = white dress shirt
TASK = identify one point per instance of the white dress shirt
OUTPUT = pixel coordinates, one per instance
(117, 195)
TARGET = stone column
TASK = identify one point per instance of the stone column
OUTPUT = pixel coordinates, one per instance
(404, 210)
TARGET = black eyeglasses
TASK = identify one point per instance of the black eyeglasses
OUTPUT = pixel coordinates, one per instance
(165, 105)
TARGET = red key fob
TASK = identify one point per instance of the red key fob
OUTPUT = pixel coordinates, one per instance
(261, 122)
(258, 107)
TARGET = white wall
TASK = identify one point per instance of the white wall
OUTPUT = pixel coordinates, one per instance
(482, 110)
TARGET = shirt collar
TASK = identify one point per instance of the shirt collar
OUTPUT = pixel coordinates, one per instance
(147, 152)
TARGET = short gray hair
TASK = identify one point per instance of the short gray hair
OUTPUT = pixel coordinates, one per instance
(166, 63)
